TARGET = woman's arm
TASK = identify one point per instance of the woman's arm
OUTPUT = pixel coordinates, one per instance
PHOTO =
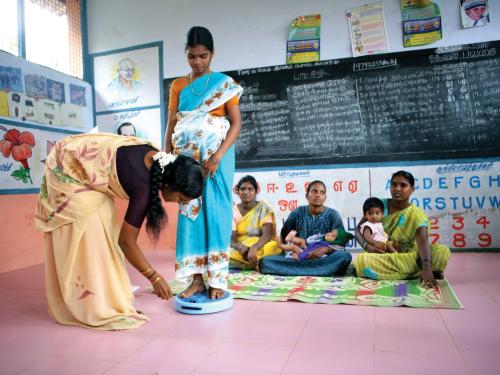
(291, 247)
(234, 243)
(267, 235)
(234, 117)
(128, 243)
(172, 121)
(242, 249)
(424, 251)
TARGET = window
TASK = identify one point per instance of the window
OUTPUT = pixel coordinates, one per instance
(9, 38)
(51, 30)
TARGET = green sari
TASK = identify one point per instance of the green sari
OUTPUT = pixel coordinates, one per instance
(401, 227)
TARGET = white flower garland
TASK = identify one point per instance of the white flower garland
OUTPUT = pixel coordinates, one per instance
(164, 159)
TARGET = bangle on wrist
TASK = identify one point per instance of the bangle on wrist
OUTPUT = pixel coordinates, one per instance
(364, 244)
(156, 280)
(422, 261)
(151, 276)
(148, 270)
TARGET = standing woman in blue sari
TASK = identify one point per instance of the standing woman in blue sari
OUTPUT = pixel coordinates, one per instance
(204, 122)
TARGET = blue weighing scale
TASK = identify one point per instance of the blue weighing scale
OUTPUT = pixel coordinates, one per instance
(199, 303)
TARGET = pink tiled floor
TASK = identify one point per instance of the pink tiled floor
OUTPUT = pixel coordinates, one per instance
(261, 337)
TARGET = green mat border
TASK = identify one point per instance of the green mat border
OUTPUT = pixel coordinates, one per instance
(447, 292)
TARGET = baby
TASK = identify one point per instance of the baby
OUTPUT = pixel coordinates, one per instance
(372, 229)
(299, 248)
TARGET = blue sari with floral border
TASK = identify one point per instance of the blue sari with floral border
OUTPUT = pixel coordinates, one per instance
(204, 225)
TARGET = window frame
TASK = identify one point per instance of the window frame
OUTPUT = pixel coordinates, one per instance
(21, 34)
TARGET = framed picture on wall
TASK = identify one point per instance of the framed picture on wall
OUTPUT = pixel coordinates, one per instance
(140, 123)
(127, 78)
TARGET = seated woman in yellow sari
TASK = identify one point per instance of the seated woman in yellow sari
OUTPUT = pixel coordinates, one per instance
(254, 228)
(408, 226)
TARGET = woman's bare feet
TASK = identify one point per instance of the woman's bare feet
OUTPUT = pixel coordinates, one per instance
(197, 286)
(215, 293)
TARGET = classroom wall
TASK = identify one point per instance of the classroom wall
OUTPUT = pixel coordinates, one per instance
(22, 246)
(247, 34)
(253, 33)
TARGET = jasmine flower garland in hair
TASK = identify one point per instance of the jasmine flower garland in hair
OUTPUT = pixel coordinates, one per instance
(164, 159)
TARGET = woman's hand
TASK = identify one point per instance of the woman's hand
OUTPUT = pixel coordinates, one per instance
(369, 248)
(160, 287)
(296, 249)
(426, 277)
(243, 250)
(128, 243)
(392, 247)
(252, 257)
(212, 164)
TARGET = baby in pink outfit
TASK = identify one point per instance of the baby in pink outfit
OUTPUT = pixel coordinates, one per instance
(372, 229)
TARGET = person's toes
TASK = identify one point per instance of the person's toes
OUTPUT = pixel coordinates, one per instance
(216, 293)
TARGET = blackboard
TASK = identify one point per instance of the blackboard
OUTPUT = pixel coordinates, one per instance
(418, 105)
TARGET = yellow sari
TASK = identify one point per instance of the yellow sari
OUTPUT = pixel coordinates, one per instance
(402, 228)
(248, 230)
(86, 280)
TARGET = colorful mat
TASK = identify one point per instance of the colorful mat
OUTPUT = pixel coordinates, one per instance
(349, 290)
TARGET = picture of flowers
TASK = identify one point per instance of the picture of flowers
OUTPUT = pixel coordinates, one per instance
(18, 145)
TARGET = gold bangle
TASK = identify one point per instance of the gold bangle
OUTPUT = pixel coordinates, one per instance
(145, 272)
(151, 276)
(156, 280)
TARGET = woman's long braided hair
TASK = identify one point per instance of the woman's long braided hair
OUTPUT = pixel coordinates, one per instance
(184, 175)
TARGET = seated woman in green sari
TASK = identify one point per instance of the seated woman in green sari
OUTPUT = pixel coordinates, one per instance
(254, 228)
(408, 226)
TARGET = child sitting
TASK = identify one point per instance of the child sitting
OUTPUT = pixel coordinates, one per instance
(299, 248)
(372, 229)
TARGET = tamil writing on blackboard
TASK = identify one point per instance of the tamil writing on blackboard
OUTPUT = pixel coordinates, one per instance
(418, 105)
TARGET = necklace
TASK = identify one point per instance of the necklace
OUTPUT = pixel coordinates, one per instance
(204, 89)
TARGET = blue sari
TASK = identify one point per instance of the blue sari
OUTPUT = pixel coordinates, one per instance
(205, 224)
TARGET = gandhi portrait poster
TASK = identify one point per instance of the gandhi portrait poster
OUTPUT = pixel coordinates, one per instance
(127, 79)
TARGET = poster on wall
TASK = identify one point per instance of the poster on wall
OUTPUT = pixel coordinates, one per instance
(474, 13)
(35, 94)
(127, 79)
(303, 44)
(421, 22)
(10, 79)
(140, 123)
(23, 151)
(461, 199)
(367, 28)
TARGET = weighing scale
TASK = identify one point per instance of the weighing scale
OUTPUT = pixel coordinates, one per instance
(199, 303)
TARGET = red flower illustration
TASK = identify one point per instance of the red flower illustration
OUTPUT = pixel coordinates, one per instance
(19, 144)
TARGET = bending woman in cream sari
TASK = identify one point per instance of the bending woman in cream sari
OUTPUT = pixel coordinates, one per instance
(85, 276)
(254, 228)
(408, 227)
(204, 122)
